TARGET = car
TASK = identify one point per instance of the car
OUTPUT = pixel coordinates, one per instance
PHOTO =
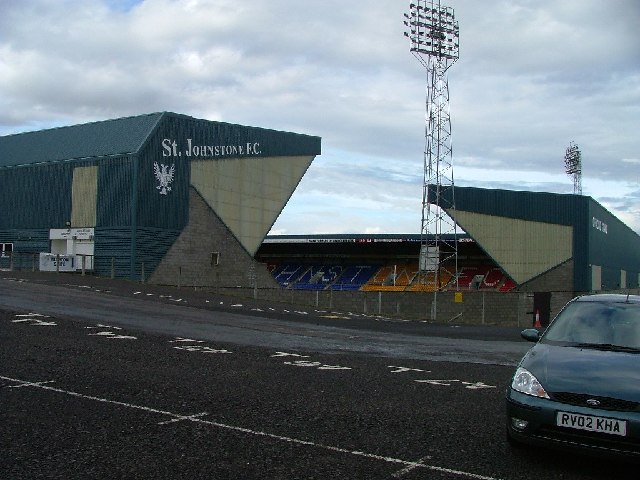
(578, 387)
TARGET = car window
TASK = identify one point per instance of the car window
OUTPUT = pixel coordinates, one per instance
(593, 323)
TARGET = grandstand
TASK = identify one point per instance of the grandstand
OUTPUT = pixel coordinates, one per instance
(373, 263)
(515, 241)
(162, 198)
(168, 199)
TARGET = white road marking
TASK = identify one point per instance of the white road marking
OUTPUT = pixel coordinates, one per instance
(187, 340)
(30, 384)
(477, 385)
(445, 383)
(441, 382)
(35, 322)
(303, 363)
(318, 365)
(180, 419)
(201, 348)
(407, 369)
(409, 468)
(285, 354)
(112, 335)
(257, 433)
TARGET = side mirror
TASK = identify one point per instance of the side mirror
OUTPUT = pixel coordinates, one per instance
(530, 334)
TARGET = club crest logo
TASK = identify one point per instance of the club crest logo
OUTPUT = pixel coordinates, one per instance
(164, 176)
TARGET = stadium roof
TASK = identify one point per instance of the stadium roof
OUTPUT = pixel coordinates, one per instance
(355, 238)
(127, 135)
(96, 139)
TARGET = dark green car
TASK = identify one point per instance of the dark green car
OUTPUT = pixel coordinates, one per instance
(578, 388)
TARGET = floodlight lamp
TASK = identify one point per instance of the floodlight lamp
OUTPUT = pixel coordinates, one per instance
(434, 26)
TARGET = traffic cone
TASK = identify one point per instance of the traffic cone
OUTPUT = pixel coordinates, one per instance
(537, 323)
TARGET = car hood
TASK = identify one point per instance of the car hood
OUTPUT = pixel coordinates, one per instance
(585, 370)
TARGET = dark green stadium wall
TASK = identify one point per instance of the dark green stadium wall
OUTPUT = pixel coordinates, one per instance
(136, 219)
(35, 197)
(614, 247)
(599, 238)
(136, 225)
(579, 215)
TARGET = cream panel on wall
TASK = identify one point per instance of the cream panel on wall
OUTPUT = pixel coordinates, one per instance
(248, 194)
(523, 249)
(596, 278)
(84, 194)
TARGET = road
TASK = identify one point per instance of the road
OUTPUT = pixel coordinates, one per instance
(95, 384)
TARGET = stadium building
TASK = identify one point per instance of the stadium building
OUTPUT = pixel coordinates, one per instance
(169, 199)
(523, 256)
(526, 240)
(162, 197)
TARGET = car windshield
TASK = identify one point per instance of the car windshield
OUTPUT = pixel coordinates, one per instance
(597, 325)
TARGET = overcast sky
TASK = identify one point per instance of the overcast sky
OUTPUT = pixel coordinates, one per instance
(533, 75)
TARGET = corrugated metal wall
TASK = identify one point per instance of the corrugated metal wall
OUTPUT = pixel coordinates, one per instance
(530, 206)
(115, 176)
(35, 196)
(136, 217)
(26, 244)
(113, 251)
(34, 199)
(614, 247)
(598, 238)
(124, 243)
(158, 207)
(153, 245)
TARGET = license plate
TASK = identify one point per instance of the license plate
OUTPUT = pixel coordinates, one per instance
(592, 423)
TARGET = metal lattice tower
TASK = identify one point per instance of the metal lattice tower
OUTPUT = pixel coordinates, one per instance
(434, 35)
(573, 166)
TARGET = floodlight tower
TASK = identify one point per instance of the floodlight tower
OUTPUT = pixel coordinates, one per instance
(573, 166)
(434, 34)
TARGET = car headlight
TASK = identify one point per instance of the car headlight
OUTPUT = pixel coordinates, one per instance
(524, 382)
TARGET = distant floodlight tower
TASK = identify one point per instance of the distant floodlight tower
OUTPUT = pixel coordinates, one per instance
(434, 35)
(573, 166)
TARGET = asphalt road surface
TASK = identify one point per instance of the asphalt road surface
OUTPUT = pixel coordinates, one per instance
(127, 381)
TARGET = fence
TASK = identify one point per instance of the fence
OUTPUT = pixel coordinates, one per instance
(472, 306)
(31, 261)
(468, 307)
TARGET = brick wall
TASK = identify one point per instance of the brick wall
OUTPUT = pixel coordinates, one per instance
(207, 254)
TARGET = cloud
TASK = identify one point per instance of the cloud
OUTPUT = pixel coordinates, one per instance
(532, 76)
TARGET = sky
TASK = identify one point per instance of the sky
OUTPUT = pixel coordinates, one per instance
(532, 76)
